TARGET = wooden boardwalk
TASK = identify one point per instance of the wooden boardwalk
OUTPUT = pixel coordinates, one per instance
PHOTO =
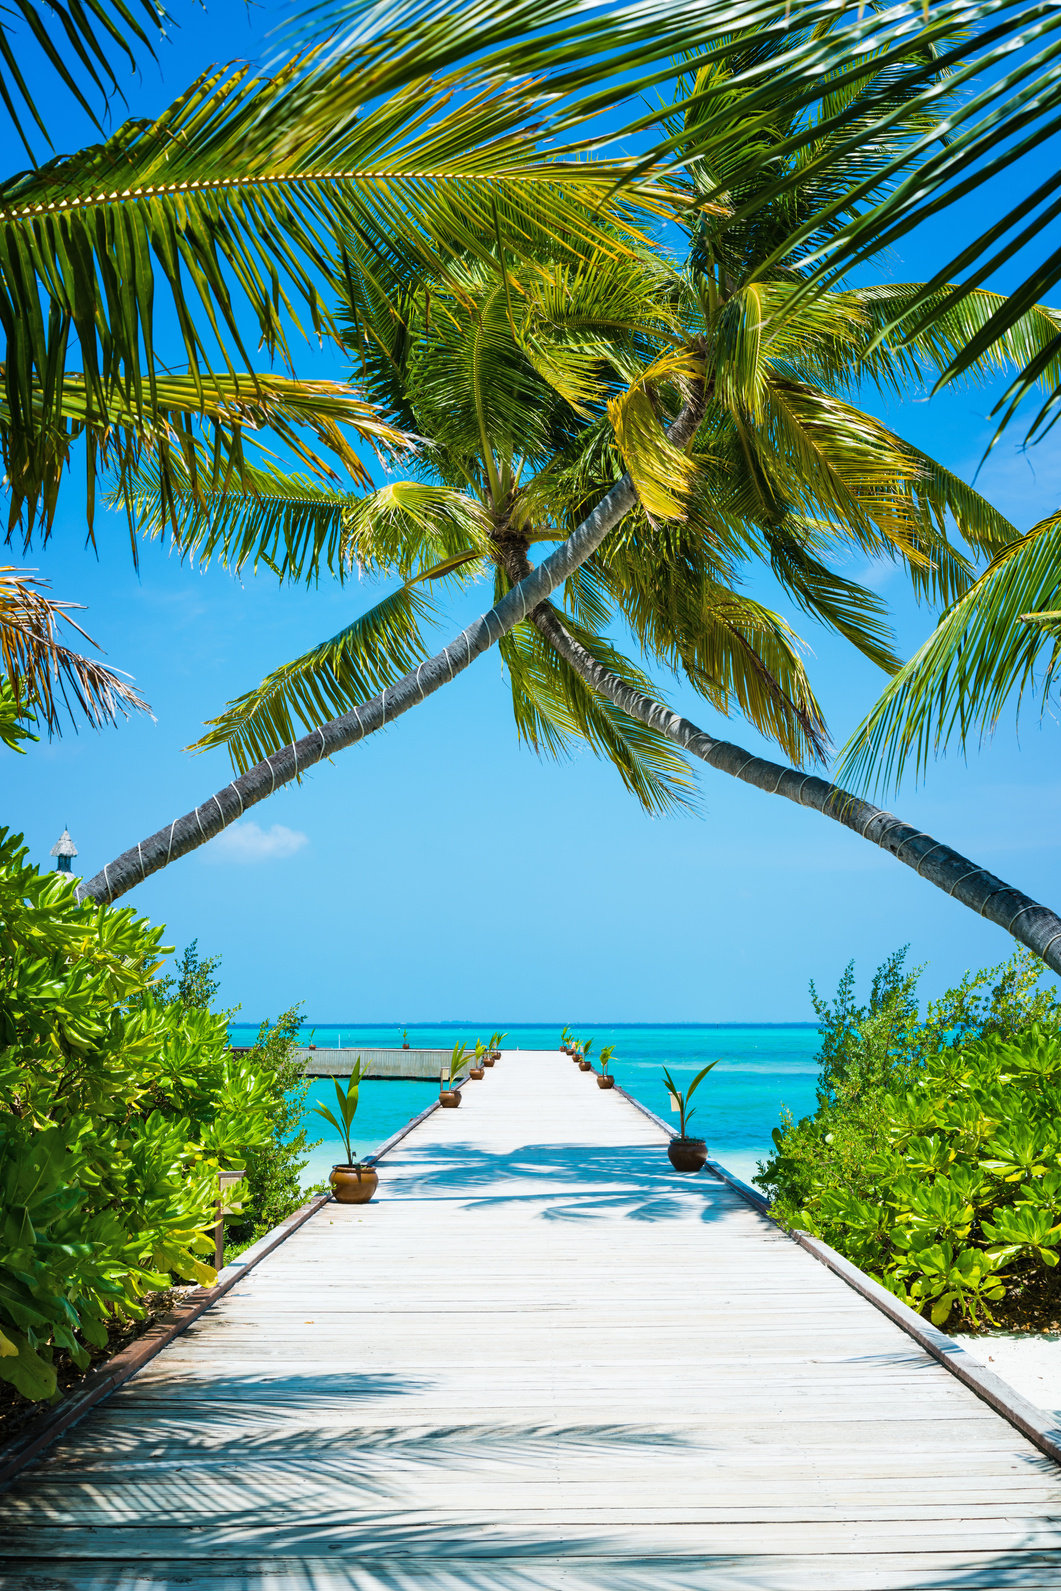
(539, 1362)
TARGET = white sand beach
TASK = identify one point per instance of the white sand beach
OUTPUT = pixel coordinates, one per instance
(1029, 1362)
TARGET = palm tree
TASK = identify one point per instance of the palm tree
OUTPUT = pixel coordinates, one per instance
(225, 209)
(783, 468)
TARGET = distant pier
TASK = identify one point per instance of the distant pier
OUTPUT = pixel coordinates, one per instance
(409, 1064)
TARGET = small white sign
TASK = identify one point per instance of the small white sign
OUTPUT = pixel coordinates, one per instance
(673, 1103)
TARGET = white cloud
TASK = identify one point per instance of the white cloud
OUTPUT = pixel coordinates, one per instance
(248, 842)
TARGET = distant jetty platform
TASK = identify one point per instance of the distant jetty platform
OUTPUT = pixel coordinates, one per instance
(394, 1064)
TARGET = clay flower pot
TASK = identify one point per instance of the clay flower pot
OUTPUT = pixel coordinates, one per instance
(585, 1066)
(488, 1060)
(606, 1082)
(477, 1072)
(687, 1154)
(495, 1055)
(353, 1184)
(449, 1099)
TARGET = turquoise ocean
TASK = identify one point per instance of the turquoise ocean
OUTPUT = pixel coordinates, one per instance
(761, 1068)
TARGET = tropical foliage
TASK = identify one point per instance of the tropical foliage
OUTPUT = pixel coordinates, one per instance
(42, 672)
(346, 1102)
(536, 383)
(984, 106)
(933, 1159)
(116, 1111)
(273, 1187)
(995, 647)
(241, 209)
(681, 1097)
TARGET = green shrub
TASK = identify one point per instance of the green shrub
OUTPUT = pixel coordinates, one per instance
(116, 1110)
(933, 1160)
(273, 1184)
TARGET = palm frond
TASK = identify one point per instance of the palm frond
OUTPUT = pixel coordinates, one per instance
(182, 437)
(983, 653)
(224, 212)
(662, 473)
(943, 327)
(554, 709)
(43, 673)
(290, 523)
(79, 43)
(842, 605)
(298, 528)
(734, 651)
(377, 649)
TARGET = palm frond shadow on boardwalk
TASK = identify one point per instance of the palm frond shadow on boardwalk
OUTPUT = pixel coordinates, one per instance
(572, 1182)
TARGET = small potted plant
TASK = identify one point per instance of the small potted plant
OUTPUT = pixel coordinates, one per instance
(584, 1062)
(449, 1097)
(477, 1071)
(683, 1152)
(405, 1038)
(575, 1050)
(604, 1077)
(565, 1041)
(355, 1182)
(494, 1047)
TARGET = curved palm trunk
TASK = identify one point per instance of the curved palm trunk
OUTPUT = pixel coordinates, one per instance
(187, 833)
(1035, 926)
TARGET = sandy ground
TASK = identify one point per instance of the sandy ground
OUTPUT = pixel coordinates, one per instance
(1031, 1364)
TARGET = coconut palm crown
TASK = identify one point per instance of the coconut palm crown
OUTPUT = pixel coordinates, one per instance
(534, 383)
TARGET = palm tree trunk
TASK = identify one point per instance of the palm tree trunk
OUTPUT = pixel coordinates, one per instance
(187, 833)
(1035, 926)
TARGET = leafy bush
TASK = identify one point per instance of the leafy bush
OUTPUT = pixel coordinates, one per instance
(116, 1110)
(933, 1159)
(273, 1185)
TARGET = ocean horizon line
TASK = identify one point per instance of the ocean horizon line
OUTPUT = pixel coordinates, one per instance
(464, 1022)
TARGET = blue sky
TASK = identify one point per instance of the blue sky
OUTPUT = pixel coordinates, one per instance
(442, 872)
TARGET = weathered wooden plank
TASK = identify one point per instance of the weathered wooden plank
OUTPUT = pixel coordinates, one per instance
(899, 1571)
(541, 1360)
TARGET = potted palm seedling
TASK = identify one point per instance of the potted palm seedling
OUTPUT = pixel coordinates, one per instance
(448, 1092)
(683, 1152)
(477, 1071)
(405, 1038)
(354, 1182)
(575, 1051)
(604, 1077)
(584, 1062)
(565, 1041)
(494, 1047)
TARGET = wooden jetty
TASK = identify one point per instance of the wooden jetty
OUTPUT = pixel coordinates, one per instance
(330, 1061)
(540, 1361)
